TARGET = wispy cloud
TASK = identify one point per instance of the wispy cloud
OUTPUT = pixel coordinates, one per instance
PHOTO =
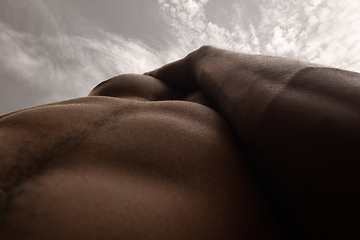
(188, 19)
(311, 30)
(63, 55)
(318, 31)
(68, 65)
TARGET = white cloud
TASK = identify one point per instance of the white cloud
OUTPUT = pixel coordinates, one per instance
(316, 31)
(69, 64)
(319, 31)
(192, 29)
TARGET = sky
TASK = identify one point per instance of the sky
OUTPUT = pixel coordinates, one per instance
(54, 50)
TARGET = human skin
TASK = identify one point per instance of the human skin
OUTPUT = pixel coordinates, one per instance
(217, 145)
(299, 125)
(136, 159)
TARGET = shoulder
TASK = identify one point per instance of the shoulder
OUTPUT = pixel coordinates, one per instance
(136, 86)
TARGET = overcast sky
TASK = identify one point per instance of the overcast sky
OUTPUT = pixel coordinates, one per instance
(53, 50)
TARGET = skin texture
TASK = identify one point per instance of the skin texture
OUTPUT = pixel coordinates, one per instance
(299, 126)
(217, 145)
(127, 162)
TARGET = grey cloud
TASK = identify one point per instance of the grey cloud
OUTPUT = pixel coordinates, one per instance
(40, 66)
(69, 66)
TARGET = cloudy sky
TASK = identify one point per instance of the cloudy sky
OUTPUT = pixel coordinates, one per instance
(52, 50)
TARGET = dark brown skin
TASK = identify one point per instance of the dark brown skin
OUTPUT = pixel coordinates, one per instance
(218, 145)
(299, 124)
(127, 162)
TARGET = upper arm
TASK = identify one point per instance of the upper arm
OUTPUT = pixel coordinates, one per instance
(306, 144)
(299, 126)
(317, 107)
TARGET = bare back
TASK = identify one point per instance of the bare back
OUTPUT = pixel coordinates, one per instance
(127, 169)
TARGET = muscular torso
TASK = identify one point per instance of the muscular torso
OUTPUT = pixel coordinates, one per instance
(113, 168)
